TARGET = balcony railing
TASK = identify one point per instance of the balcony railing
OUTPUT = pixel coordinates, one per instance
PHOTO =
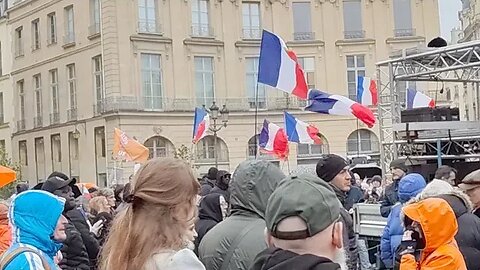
(409, 32)
(69, 38)
(37, 121)
(299, 36)
(54, 118)
(94, 29)
(252, 33)
(72, 114)
(202, 30)
(21, 125)
(149, 27)
(354, 34)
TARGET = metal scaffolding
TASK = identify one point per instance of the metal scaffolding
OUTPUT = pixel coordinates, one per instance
(458, 63)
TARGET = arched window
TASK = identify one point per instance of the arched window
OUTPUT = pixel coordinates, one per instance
(362, 141)
(159, 147)
(313, 150)
(252, 146)
(206, 150)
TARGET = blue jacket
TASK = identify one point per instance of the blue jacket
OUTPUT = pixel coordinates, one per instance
(408, 187)
(34, 216)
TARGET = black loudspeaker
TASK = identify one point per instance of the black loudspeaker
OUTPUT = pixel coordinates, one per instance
(430, 115)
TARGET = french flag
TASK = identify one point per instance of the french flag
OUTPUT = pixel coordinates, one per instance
(273, 140)
(278, 67)
(325, 103)
(201, 123)
(301, 132)
(367, 93)
(417, 99)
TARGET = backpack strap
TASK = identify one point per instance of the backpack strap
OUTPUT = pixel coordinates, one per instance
(9, 257)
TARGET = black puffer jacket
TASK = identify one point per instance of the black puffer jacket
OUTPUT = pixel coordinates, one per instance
(279, 259)
(75, 256)
(209, 215)
(87, 238)
(390, 197)
(468, 235)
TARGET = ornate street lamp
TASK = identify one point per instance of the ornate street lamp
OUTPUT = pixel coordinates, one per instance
(224, 112)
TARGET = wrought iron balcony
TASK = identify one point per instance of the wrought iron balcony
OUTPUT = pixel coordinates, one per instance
(202, 30)
(354, 34)
(54, 118)
(72, 114)
(300, 36)
(69, 38)
(21, 125)
(151, 26)
(410, 32)
(249, 33)
(38, 121)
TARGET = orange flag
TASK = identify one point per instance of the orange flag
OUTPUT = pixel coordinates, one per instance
(7, 176)
(125, 148)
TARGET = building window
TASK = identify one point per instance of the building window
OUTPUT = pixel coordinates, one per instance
(94, 17)
(40, 158)
(2, 146)
(352, 19)
(402, 14)
(72, 86)
(308, 65)
(52, 28)
(2, 109)
(3, 7)
(1, 62)
(251, 21)
(22, 151)
(69, 26)
(204, 84)
(54, 117)
(312, 150)
(251, 64)
(159, 147)
(98, 83)
(152, 82)
(355, 68)
(206, 150)
(147, 16)
(302, 21)
(362, 142)
(36, 34)
(200, 18)
(21, 99)
(402, 87)
(19, 41)
(56, 144)
(37, 89)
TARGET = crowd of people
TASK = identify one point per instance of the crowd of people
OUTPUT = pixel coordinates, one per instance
(257, 218)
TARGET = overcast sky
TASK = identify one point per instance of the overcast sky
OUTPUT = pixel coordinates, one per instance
(449, 16)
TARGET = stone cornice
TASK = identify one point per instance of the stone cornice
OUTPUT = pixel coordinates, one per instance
(248, 43)
(393, 40)
(347, 42)
(151, 38)
(203, 41)
(309, 43)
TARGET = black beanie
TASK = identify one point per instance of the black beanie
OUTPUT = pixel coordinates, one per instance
(329, 166)
(399, 164)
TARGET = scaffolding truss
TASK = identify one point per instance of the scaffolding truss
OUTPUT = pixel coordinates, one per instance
(458, 63)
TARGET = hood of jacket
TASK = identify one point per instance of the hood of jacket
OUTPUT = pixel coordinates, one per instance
(32, 224)
(220, 182)
(279, 259)
(437, 219)
(409, 186)
(436, 187)
(252, 184)
(459, 202)
(210, 207)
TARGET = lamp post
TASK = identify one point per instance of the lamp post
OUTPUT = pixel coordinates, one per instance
(224, 112)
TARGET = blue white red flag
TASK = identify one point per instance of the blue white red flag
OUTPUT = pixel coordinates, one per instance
(278, 67)
(325, 103)
(301, 132)
(367, 93)
(417, 99)
(201, 123)
(273, 140)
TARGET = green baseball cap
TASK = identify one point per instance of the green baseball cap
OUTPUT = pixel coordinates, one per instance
(305, 196)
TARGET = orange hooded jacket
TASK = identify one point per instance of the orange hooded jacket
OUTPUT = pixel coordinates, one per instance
(439, 227)
(5, 231)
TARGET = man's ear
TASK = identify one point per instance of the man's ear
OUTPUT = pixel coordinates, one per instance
(268, 238)
(338, 235)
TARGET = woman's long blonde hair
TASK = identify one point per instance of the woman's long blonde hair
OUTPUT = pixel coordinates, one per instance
(161, 205)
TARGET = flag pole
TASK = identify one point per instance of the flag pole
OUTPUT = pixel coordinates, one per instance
(256, 119)
(191, 154)
(358, 140)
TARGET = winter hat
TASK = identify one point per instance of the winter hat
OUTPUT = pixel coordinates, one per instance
(410, 185)
(212, 173)
(399, 164)
(329, 166)
(319, 211)
(436, 187)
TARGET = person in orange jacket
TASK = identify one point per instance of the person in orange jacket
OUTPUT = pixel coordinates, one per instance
(430, 226)
(5, 231)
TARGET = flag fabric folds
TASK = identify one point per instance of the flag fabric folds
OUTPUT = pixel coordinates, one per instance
(367, 92)
(301, 132)
(273, 140)
(201, 124)
(417, 99)
(325, 103)
(125, 148)
(279, 68)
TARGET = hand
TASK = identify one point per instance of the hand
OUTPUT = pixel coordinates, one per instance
(407, 235)
(97, 227)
